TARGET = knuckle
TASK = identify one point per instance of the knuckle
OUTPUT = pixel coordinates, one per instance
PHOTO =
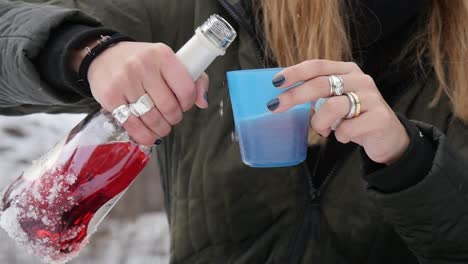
(133, 64)
(178, 117)
(315, 65)
(368, 81)
(142, 136)
(107, 105)
(376, 97)
(163, 51)
(120, 79)
(319, 125)
(147, 139)
(108, 92)
(346, 129)
(165, 130)
(380, 157)
(386, 114)
(186, 107)
(108, 95)
(313, 124)
(188, 95)
(168, 107)
(341, 137)
(353, 65)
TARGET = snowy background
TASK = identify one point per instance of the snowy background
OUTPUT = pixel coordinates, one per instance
(136, 231)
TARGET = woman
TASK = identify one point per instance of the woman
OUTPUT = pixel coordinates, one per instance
(395, 194)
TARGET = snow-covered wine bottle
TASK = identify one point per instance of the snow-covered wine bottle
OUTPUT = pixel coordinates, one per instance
(56, 204)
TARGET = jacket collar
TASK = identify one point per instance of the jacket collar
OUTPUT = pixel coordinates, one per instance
(241, 12)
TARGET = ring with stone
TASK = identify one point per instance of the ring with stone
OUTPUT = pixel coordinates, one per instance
(336, 85)
(143, 105)
(121, 113)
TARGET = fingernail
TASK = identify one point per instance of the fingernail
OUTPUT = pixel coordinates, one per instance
(158, 142)
(273, 104)
(205, 95)
(279, 80)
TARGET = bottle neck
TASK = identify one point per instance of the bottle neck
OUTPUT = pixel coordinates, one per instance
(197, 54)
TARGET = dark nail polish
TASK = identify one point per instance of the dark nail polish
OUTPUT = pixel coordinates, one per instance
(279, 80)
(158, 142)
(205, 95)
(273, 104)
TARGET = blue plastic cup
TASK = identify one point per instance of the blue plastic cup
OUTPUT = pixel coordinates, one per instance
(266, 139)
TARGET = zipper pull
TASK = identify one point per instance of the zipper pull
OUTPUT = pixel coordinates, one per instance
(314, 194)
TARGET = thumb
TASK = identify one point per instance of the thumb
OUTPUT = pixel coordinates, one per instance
(202, 88)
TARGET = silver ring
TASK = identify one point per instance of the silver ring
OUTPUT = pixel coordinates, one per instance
(352, 109)
(121, 114)
(336, 85)
(143, 105)
(355, 109)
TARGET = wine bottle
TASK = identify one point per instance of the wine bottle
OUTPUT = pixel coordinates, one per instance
(57, 203)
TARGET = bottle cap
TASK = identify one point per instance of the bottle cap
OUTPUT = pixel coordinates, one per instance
(218, 31)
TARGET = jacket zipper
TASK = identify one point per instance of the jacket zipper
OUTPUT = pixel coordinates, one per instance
(296, 252)
(247, 27)
(325, 183)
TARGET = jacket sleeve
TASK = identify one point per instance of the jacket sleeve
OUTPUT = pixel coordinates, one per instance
(432, 215)
(25, 29)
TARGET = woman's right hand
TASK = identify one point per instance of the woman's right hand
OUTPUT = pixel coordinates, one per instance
(126, 71)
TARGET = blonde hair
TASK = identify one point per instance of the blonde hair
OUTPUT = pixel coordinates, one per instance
(298, 30)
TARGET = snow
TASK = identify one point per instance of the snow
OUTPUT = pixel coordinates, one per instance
(138, 240)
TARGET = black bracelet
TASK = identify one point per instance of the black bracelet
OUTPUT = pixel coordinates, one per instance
(103, 44)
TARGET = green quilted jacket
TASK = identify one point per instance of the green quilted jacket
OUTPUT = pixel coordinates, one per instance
(220, 210)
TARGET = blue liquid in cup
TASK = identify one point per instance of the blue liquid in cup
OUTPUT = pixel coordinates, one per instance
(266, 139)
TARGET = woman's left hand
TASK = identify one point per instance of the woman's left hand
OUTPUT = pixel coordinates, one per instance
(377, 129)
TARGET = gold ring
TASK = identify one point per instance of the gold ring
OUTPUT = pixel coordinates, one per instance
(355, 109)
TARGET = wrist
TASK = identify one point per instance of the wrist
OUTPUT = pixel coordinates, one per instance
(410, 168)
(83, 63)
(402, 145)
(77, 56)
